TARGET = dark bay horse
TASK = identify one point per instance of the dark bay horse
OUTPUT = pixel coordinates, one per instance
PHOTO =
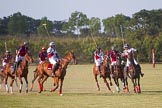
(43, 73)
(21, 71)
(133, 73)
(118, 73)
(105, 73)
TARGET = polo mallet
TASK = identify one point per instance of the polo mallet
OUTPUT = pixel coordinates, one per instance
(45, 27)
(93, 40)
(121, 29)
(5, 46)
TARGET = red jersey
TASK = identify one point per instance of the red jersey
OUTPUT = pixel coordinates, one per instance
(7, 58)
(43, 56)
(113, 55)
(23, 50)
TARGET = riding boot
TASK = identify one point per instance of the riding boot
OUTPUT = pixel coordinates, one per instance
(138, 66)
(127, 70)
(112, 71)
(15, 67)
(54, 69)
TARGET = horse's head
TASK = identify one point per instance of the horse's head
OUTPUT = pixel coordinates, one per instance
(72, 57)
(131, 57)
(28, 57)
(118, 60)
(106, 60)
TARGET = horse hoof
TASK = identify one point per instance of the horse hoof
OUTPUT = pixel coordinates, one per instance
(111, 84)
(19, 91)
(26, 91)
(51, 90)
(61, 94)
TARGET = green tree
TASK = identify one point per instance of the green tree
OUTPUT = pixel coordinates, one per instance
(77, 21)
(94, 25)
(17, 24)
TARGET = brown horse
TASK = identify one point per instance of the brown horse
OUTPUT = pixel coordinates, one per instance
(1, 76)
(105, 73)
(118, 73)
(133, 74)
(21, 71)
(43, 73)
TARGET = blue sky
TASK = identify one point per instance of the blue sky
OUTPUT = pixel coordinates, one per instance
(62, 9)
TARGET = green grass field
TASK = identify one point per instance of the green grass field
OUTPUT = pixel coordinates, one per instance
(80, 91)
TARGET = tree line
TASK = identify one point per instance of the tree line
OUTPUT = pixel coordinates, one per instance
(143, 31)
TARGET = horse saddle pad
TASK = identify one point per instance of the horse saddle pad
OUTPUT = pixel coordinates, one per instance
(50, 66)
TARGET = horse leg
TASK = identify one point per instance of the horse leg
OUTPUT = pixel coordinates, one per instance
(42, 82)
(61, 84)
(56, 84)
(40, 86)
(110, 81)
(6, 86)
(26, 80)
(11, 85)
(117, 84)
(139, 85)
(21, 84)
(137, 88)
(126, 85)
(123, 82)
(98, 86)
(35, 77)
(107, 84)
(134, 84)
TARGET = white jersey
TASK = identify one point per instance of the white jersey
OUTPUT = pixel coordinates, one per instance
(52, 55)
(98, 58)
(126, 52)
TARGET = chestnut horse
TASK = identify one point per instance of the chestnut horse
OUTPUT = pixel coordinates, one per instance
(118, 73)
(1, 77)
(43, 73)
(105, 73)
(21, 71)
(133, 74)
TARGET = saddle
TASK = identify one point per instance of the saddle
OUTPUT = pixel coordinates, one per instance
(49, 66)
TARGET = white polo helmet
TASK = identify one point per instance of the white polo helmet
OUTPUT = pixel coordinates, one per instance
(51, 44)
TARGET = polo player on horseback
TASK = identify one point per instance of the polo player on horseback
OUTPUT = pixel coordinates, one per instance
(42, 55)
(20, 53)
(6, 59)
(126, 51)
(53, 57)
(113, 55)
(98, 58)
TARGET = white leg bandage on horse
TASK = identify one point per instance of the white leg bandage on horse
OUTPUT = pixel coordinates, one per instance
(6, 86)
(117, 89)
(11, 89)
(20, 86)
(26, 86)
